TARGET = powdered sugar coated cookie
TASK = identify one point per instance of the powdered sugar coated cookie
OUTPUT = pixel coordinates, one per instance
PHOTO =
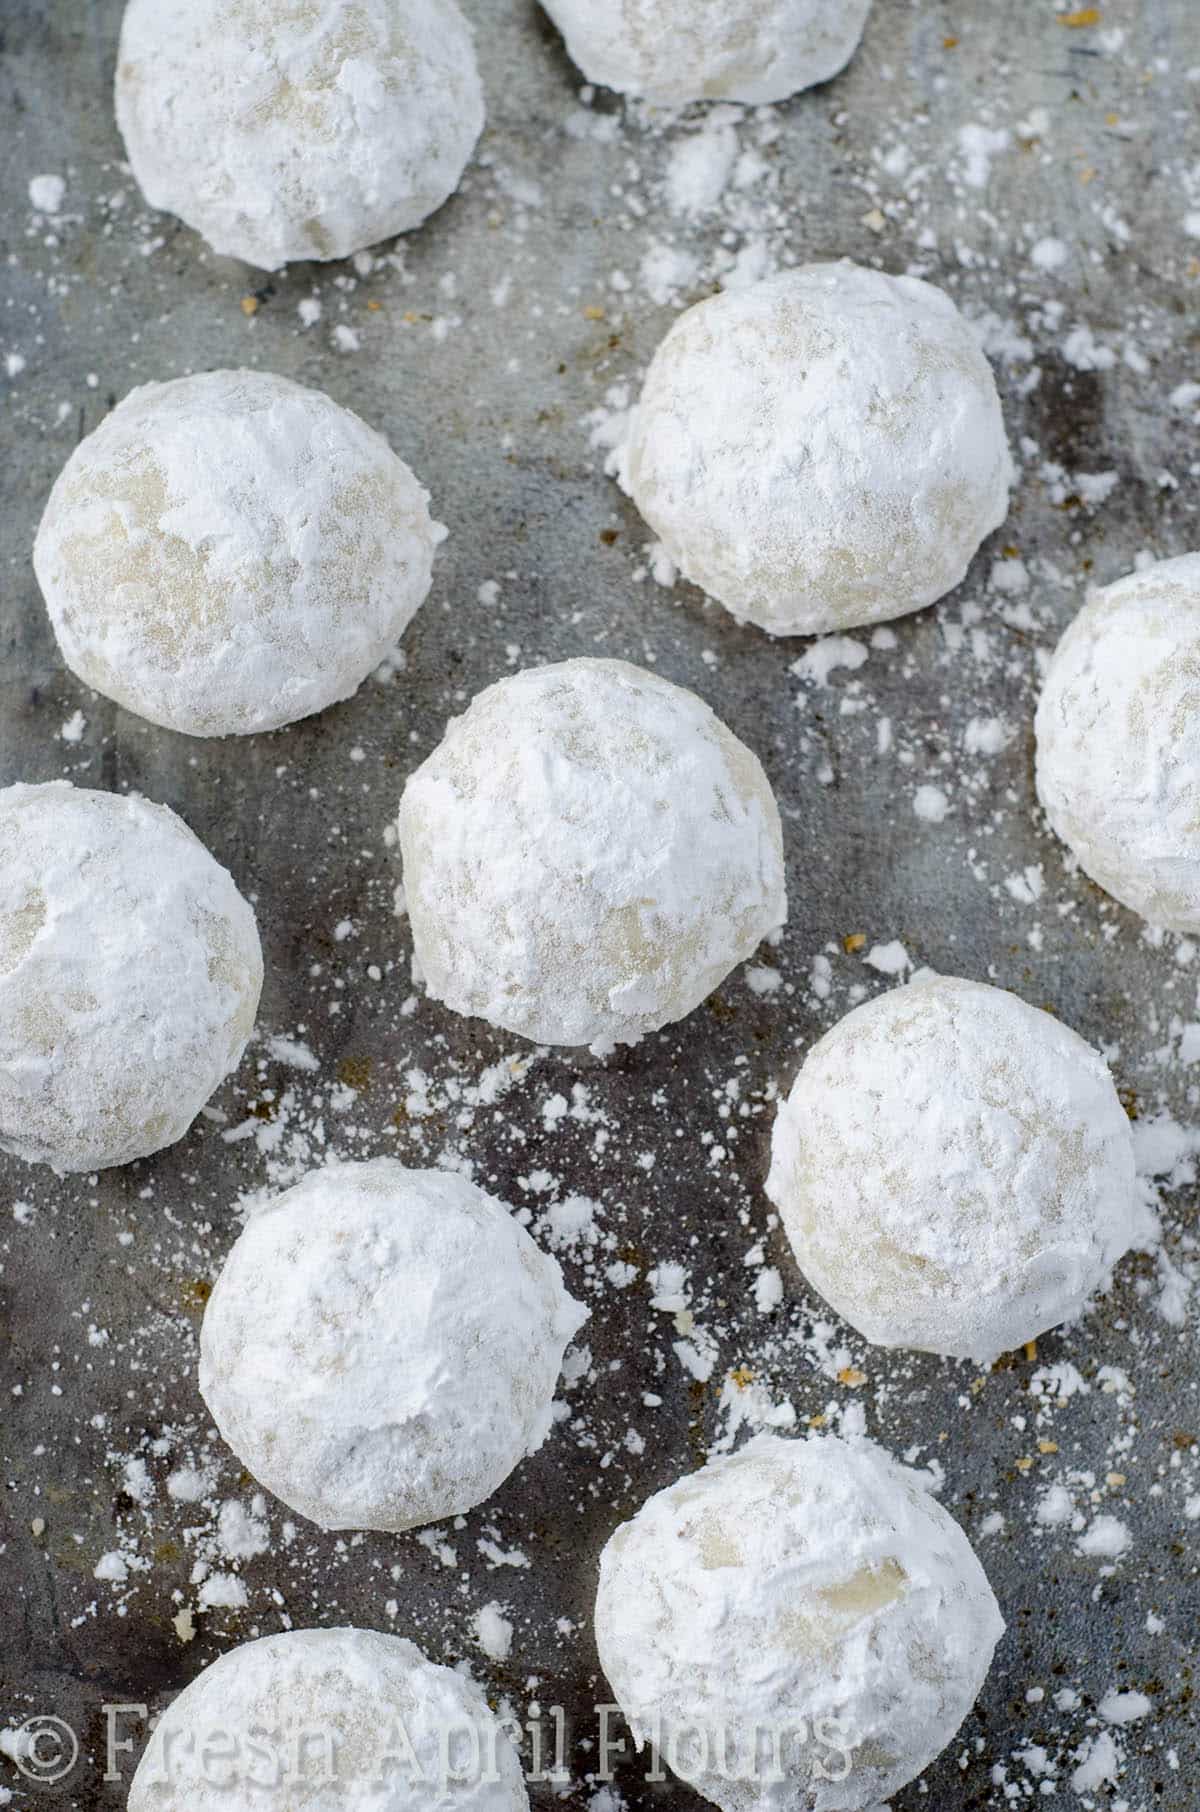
(797, 1624)
(820, 450)
(228, 552)
(1118, 741)
(954, 1170)
(130, 971)
(674, 51)
(334, 1720)
(587, 854)
(382, 1345)
(284, 131)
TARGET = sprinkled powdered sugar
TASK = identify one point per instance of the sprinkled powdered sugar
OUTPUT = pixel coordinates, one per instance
(821, 449)
(1118, 735)
(587, 854)
(674, 51)
(337, 1720)
(807, 1591)
(283, 132)
(382, 1345)
(228, 552)
(954, 1170)
(130, 972)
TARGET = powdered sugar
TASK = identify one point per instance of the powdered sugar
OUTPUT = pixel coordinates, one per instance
(46, 193)
(700, 166)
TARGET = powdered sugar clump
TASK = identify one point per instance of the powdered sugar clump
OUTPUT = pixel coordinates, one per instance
(46, 193)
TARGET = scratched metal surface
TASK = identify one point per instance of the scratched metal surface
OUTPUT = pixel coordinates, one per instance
(488, 403)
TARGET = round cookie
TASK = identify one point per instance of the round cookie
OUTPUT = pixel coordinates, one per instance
(674, 51)
(331, 1720)
(954, 1170)
(228, 552)
(587, 854)
(800, 1606)
(1118, 741)
(282, 131)
(382, 1346)
(130, 971)
(820, 450)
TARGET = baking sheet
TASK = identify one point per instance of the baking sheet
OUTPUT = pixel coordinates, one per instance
(1048, 173)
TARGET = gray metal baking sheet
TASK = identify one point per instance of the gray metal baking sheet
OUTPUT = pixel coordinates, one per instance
(1042, 164)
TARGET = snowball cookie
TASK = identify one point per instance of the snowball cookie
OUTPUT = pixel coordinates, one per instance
(799, 1605)
(954, 1170)
(587, 854)
(338, 1720)
(382, 1345)
(674, 51)
(130, 971)
(229, 552)
(282, 130)
(820, 450)
(1118, 741)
